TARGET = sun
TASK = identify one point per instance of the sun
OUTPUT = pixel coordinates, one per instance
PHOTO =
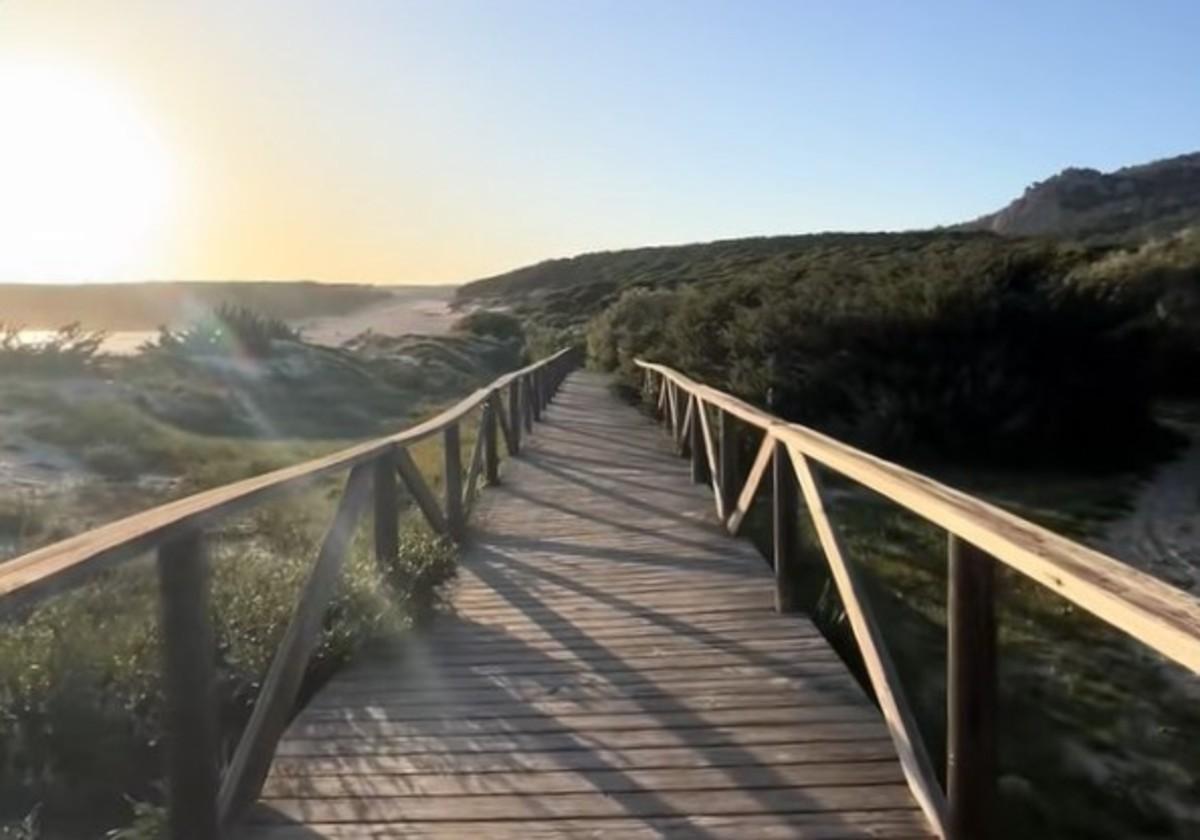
(85, 181)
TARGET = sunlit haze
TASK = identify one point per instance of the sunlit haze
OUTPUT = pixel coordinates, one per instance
(408, 142)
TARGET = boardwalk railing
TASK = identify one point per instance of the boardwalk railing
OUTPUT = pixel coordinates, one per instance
(203, 797)
(702, 421)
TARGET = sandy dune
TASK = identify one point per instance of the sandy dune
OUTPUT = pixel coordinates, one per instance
(425, 310)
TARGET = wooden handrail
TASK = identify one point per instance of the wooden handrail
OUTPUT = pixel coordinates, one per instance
(66, 563)
(200, 800)
(979, 534)
(1161, 616)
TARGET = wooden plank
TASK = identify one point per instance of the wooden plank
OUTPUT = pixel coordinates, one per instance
(495, 705)
(493, 416)
(568, 806)
(343, 730)
(684, 444)
(840, 825)
(610, 781)
(902, 724)
(878, 750)
(527, 403)
(452, 482)
(713, 474)
(189, 676)
(758, 469)
(387, 512)
(277, 697)
(471, 483)
(420, 491)
(67, 563)
(730, 465)
(970, 691)
(784, 536)
(514, 416)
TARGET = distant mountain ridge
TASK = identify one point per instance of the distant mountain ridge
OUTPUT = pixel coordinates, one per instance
(1133, 202)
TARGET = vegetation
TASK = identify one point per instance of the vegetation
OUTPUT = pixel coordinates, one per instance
(80, 690)
(71, 350)
(226, 330)
(80, 728)
(1025, 370)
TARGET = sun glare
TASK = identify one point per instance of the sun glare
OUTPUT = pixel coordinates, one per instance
(85, 182)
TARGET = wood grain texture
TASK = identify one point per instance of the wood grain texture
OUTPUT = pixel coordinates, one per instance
(613, 667)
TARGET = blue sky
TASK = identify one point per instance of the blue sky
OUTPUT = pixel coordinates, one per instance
(440, 141)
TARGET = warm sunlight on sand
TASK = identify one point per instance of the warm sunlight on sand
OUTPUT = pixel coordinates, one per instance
(86, 180)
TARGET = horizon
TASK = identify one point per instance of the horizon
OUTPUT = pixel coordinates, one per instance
(436, 144)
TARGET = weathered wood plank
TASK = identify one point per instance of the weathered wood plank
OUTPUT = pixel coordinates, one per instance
(614, 657)
(663, 803)
(878, 750)
(841, 825)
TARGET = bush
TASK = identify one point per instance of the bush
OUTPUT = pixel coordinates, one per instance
(70, 351)
(1007, 361)
(493, 324)
(227, 330)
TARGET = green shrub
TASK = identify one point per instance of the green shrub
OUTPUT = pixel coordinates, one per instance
(70, 351)
(491, 323)
(913, 357)
(227, 330)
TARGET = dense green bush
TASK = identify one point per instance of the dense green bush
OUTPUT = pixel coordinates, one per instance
(989, 354)
(71, 350)
(226, 330)
(491, 323)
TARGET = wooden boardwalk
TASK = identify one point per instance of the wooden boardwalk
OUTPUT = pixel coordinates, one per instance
(614, 667)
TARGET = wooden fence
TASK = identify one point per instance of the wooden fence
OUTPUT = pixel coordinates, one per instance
(203, 797)
(703, 421)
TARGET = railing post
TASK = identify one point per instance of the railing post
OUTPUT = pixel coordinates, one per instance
(189, 672)
(970, 692)
(675, 411)
(727, 454)
(452, 479)
(535, 396)
(514, 415)
(700, 471)
(491, 453)
(387, 512)
(527, 402)
(784, 511)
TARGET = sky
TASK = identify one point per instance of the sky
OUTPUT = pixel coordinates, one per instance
(438, 142)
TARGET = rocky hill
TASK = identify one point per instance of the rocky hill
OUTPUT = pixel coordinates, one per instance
(1133, 202)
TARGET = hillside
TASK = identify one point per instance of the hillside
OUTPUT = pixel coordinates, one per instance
(1130, 203)
(565, 292)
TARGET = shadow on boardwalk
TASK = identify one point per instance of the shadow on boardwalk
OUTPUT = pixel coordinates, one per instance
(614, 667)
